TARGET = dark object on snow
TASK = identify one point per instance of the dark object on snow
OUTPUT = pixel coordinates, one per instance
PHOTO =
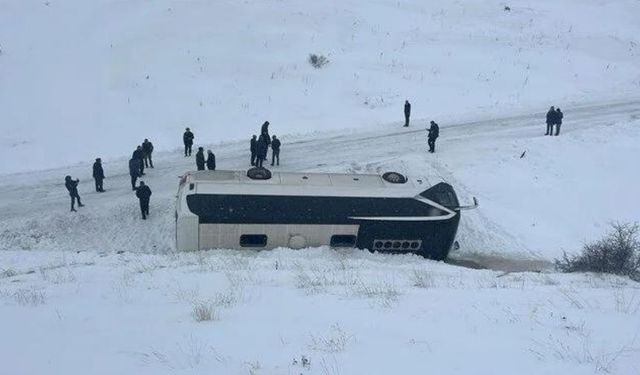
(394, 178)
(72, 187)
(200, 159)
(147, 149)
(143, 192)
(211, 161)
(507, 8)
(434, 133)
(98, 175)
(551, 120)
(138, 155)
(407, 112)
(523, 152)
(275, 151)
(559, 116)
(187, 138)
(259, 173)
(134, 172)
(254, 149)
(264, 133)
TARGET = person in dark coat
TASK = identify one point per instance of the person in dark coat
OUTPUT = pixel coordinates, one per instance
(138, 155)
(134, 172)
(551, 120)
(254, 149)
(187, 138)
(98, 175)
(559, 116)
(147, 149)
(72, 187)
(200, 159)
(211, 161)
(261, 151)
(275, 150)
(434, 133)
(143, 192)
(264, 132)
(407, 112)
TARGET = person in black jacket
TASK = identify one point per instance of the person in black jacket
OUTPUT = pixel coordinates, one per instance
(143, 192)
(134, 172)
(559, 116)
(187, 138)
(200, 159)
(147, 149)
(261, 151)
(551, 120)
(275, 150)
(138, 155)
(254, 149)
(211, 161)
(72, 187)
(407, 112)
(98, 175)
(434, 133)
(264, 132)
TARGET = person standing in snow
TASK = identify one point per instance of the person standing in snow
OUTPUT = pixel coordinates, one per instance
(134, 172)
(551, 120)
(72, 187)
(407, 112)
(211, 161)
(264, 132)
(98, 175)
(187, 138)
(143, 192)
(200, 159)
(261, 151)
(254, 149)
(559, 116)
(275, 151)
(138, 155)
(147, 149)
(434, 133)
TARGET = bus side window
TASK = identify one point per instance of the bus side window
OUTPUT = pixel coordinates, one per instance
(343, 240)
(253, 240)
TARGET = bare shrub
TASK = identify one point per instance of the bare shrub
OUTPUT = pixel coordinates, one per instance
(318, 61)
(385, 294)
(204, 312)
(9, 272)
(335, 342)
(421, 279)
(29, 297)
(617, 253)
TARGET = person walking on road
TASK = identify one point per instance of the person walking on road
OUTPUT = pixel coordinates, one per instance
(559, 116)
(275, 151)
(72, 187)
(434, 133)
(187, 138)
(143, 192)
(407, 112)
(254, 149)
(211, 161)
(147, 149)
(551, 120)
(134, 172)
(98, 175)
(200, 159)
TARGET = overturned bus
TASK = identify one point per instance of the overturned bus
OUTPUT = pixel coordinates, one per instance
(263, 210)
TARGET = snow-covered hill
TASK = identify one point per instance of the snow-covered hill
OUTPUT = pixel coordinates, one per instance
(80, 78)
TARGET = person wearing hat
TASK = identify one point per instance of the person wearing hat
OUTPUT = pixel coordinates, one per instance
(147, 149)
(211, 160)
(72, 187)
(200, 159)
(98, 175)
(434, 133)
(187, 138)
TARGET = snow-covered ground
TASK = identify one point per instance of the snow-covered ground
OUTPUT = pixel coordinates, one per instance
(101, 291)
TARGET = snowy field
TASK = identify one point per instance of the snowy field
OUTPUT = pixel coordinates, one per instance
(103, 292)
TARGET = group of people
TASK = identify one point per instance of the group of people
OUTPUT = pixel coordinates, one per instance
(140, 159)
(259, 147)
(554, 118)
